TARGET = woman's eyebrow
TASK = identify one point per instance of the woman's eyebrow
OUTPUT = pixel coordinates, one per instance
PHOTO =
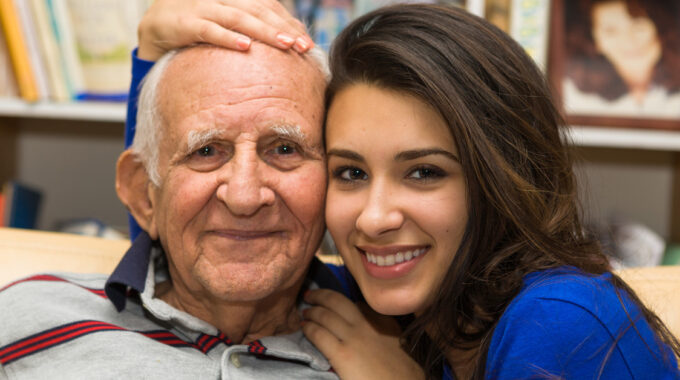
(418, 153)
(344, 153)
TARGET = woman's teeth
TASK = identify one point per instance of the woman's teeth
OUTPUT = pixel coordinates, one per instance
(398, 258)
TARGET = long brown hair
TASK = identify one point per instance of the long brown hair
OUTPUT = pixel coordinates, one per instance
(523, 210)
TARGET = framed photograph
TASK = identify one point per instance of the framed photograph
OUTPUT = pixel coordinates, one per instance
(617, 63)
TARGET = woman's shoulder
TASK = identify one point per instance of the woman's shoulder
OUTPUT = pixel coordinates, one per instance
(567, 322)
(572, 286)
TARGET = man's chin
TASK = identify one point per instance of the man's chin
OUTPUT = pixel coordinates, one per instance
(244, 288)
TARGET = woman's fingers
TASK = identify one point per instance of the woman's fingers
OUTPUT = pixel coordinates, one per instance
(233, 24)
(330, 320)
(322, 338)
(336, 302)
(263, 24)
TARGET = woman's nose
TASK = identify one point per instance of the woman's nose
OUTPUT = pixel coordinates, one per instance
(381, 212)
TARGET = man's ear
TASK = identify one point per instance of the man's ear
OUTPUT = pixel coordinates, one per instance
(134, 189)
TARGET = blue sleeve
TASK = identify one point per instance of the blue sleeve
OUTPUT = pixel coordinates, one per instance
(344, 278)
(543, 337)
(140, 68)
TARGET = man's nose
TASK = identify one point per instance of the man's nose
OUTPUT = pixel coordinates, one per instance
(244, 188)
(381, 212)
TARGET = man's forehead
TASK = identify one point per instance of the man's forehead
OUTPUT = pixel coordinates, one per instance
(242, 85)
(208, 66)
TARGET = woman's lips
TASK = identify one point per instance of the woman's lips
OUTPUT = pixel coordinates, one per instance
(397, 258)
(391, 262)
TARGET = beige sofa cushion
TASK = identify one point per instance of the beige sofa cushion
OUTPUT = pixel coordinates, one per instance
(24, 252)
(659, 289)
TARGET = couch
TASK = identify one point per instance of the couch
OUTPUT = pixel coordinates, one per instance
(24, 252)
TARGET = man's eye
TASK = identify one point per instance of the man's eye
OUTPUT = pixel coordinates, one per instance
(208, 157)
(350, 174)
(205, 151)
(285, 149)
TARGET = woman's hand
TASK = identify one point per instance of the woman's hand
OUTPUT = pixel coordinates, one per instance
(233, 24)
(358, 342)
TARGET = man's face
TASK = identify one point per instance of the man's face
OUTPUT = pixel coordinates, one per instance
(239, 210)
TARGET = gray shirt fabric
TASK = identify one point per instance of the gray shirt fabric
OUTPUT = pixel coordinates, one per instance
(64, 326)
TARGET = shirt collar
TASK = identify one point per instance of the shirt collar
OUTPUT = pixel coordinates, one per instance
(132, 270)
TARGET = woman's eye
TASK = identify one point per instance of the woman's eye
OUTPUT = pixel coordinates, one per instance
(350, 174)
(424, 173)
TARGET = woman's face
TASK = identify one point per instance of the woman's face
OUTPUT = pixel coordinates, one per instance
(630, 43)
(396, 204)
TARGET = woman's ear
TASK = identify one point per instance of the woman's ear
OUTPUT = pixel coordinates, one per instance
(134, 189)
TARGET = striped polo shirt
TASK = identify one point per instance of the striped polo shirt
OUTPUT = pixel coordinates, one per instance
(75, 326)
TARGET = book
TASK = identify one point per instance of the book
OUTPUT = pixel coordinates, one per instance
(105, 34)
(37, 61)
(16, 45)
(22, 205)
(62, 27)
(529, 27)
(8, 85)
(50, 51)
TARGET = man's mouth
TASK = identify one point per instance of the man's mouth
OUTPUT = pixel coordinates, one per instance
(244, 234)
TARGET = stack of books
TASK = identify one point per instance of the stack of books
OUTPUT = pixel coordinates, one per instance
(66, 50)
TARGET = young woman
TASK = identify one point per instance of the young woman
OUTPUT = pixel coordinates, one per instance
(452, 201)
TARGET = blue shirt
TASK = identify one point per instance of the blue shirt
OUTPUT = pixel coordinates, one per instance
(574, 325)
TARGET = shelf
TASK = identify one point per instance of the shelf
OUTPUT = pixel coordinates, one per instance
(93, 111)
(625, 138)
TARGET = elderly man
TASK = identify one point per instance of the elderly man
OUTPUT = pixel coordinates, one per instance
(226, 177)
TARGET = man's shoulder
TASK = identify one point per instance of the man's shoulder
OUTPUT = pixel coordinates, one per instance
(53, 285)
(44, 300)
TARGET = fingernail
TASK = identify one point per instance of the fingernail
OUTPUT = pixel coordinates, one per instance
(285, 41)
(301, 45)
(243, 42)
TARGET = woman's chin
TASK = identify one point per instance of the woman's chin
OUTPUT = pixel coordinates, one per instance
(392, 305)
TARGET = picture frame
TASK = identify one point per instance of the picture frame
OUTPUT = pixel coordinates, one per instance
(611, 66)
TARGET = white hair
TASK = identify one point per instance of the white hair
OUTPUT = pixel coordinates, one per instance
(147, 135)
(146, 142)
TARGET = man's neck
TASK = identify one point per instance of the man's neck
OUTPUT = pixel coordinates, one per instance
(242, 322)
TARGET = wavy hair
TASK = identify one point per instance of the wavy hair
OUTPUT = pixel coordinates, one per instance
(524, 215)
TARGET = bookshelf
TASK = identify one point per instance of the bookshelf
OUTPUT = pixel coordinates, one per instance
(93, 111)
(583, 136)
